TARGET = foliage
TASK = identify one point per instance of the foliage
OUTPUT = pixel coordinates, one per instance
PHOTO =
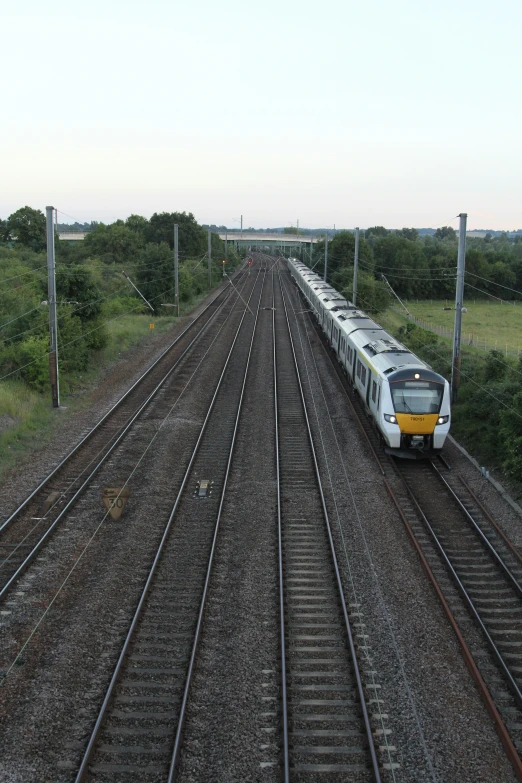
(487, 417)
(116, 243)
(27, 227)
(91, 288)
(446, 232)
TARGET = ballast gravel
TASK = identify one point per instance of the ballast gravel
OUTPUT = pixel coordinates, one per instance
(430, 722)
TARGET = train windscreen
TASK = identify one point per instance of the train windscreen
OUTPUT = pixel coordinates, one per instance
(416, 396)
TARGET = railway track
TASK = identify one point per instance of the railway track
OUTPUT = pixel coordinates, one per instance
(138, 734)
(474, 568)
(462, 543)
(326, 726)
(26, 531)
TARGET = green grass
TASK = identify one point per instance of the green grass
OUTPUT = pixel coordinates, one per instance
(24, 414)
(485, 325)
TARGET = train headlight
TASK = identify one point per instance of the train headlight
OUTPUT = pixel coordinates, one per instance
(443, 420)
(390, 418)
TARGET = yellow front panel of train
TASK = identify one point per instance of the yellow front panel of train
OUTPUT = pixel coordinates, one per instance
(421, 424)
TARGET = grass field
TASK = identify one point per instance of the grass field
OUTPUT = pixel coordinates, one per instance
(485, 325)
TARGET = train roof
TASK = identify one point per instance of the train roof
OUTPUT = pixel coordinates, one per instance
(384, 352)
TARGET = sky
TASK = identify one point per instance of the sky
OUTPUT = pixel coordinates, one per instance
(331, 113)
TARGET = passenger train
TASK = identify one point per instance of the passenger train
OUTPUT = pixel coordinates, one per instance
(408, 402)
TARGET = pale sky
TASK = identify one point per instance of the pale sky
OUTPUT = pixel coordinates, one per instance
(338, 112)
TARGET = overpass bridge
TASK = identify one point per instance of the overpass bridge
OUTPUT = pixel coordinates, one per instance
(246, 239)
(260, 238)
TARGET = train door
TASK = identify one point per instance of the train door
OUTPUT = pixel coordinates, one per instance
(371, 384)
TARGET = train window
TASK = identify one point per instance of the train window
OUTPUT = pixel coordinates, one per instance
(374, 391)
(417, 398)
(363, 375)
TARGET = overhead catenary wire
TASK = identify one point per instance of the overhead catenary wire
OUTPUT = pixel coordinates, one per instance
(492, 296)
(476, 383)
(81, 337)
(28, 312)
(486, 280)
(81, 307)
(23, 274)
(105, 515)
(382, 602)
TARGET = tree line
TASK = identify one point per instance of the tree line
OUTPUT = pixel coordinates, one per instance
(420, 267)
(91, 289)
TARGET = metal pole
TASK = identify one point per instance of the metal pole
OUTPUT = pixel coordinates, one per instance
(459, 295)
(209, 258)
(53, 324)
(311, 250)
(355, 265)
(226, 245)
(325, 256)
(176, 269)
(241, 226)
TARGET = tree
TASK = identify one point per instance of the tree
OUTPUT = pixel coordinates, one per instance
(446, 232)
(376, 231)
(115, 243)
(155, 274)
(137, 223)
(76, 284)
(27, 227)
(408, 233)
(192, 237)
(404, 264)
(495, 368)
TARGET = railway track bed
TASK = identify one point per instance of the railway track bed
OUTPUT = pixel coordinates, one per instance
(251, 650)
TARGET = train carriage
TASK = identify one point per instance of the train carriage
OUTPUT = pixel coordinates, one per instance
(408, 402)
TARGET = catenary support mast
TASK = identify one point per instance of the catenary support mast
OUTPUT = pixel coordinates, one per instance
(459, 295)
(176, 270)
(53, 323)
(209, 253)
(325, 257)
(355, 265)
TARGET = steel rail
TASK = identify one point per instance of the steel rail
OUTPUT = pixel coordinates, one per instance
(117, 404)
(360, 689)
(467, 598)
(188, 682)
(286, 752)
(80, 777)
(130, 422)
(481, 534)
(469, 660)
(490, 519)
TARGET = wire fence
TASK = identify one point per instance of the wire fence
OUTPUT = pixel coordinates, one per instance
(470, 338)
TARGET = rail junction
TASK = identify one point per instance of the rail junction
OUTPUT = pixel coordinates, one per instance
(223, 630)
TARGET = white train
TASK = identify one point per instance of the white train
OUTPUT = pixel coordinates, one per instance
(408, 402)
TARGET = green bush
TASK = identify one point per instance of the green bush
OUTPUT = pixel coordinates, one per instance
(32, 358)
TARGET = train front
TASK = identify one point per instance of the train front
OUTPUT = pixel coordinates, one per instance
(415, 412)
